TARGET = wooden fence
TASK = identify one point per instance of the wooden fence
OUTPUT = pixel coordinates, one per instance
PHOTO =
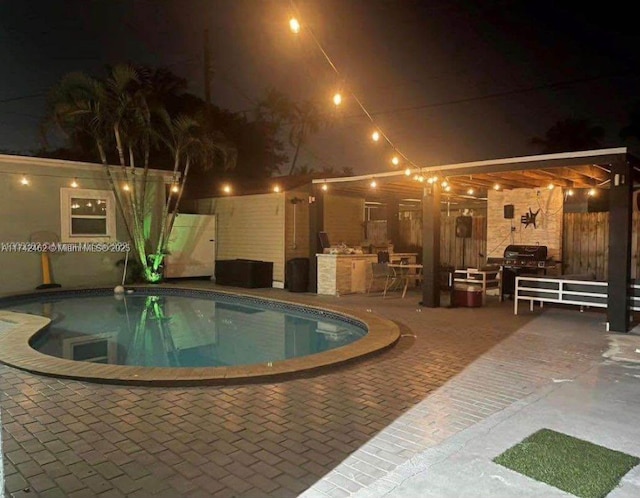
(451, 247)
(585, 244)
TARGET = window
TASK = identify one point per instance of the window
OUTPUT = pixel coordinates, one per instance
(87, 215)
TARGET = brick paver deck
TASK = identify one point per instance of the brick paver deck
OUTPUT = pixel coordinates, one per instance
(75, 439)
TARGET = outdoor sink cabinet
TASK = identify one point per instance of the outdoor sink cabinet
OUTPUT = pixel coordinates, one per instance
(340, 274)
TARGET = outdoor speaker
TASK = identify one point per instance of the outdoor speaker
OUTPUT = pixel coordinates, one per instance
(508, 211)
(463, 226)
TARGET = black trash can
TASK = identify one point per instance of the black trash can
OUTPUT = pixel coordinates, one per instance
(298, 274)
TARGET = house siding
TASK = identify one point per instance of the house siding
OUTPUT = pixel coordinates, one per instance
(344, 219)
(249, 227)
(36, 207)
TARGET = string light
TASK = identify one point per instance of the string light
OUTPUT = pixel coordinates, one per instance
(226, 189)
(470, 191)
(407, 172)
(325, 187)
(592, 192)
(496, 186)
(373, 184)
(395, 160)
(175, 188)
(294, 25)
(24, 181)
(570, 192)
(551, 186)
(126, 187)
(74, 183)
(276, 189)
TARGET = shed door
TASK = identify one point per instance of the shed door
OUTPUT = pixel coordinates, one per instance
(192, 246)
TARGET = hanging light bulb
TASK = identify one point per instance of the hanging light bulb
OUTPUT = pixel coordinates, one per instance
(24, 181)
(496, 186)
(294, 25)
(570, 192)
(407, 172)
(470, 191)
(337, 99)
(74, 183)
(126, 187)
(175, 188)
(276, 189)
(325, 187)
(592, 192)
(447, 188)
(226, 189)
(375, 136)
(395, 160)
(373, 184)
(551, 186)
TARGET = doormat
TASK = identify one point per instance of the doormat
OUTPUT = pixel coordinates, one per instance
(573, 465)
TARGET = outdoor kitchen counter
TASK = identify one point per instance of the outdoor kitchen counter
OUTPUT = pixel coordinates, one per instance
(340, 274)
(343, 273)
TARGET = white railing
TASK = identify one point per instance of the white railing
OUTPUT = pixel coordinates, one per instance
(563, 291)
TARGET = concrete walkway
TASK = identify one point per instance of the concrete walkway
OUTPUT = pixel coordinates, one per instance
(577, 387)
(422, 419)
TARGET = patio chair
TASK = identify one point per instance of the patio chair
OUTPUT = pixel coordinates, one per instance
(381, 271)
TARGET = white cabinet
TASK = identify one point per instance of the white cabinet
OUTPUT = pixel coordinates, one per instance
(192, 247)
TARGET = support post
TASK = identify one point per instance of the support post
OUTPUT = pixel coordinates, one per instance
(316, 225)
(620, 212)
(431, 246)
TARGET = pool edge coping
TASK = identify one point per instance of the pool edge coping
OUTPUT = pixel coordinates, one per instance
(15, 351)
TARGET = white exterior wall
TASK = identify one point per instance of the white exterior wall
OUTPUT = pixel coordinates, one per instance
(549, 220)
(250, 227)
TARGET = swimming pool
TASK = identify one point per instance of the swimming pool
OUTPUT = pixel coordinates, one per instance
(181, 335)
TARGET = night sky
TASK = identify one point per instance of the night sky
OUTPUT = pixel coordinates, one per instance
(447, 81)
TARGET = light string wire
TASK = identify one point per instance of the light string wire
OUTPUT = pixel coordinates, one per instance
(314, 38)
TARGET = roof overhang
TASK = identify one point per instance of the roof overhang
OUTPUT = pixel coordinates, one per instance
(581, 169)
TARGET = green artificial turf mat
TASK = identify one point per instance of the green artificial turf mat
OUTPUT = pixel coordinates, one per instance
(573, 465)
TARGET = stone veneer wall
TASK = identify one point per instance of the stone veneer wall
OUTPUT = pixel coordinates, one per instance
(549, 220)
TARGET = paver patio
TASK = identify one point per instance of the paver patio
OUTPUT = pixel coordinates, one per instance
(332, 434)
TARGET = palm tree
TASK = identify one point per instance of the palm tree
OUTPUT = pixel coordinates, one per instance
(116, 113)
(306, 120)
(570, 134)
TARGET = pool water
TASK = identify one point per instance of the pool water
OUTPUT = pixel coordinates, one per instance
(168, 330)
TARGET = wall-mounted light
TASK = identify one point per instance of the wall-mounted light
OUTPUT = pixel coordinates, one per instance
(24, 181)
(74, 183)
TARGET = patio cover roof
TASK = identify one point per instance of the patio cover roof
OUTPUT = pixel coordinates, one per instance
(582, 169)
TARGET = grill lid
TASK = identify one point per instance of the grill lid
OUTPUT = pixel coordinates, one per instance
(524, 252)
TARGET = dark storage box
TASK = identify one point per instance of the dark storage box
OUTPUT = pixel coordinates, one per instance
(244, 273)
